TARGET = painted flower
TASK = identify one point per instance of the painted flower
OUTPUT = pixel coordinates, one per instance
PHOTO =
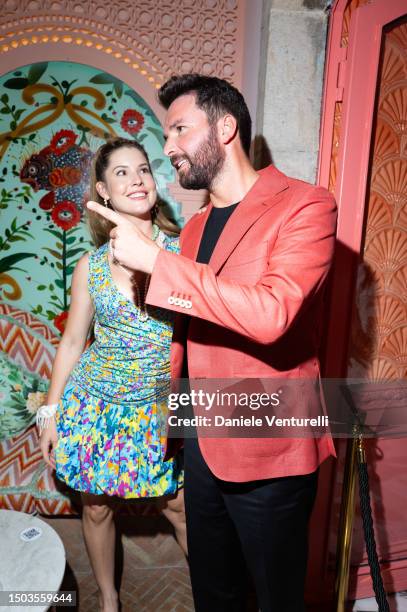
(62, 141)
(66, 215)
(34, 401)
(60, 177)
(57, 178)
(132, 121)
(72, 175)
(60, 321)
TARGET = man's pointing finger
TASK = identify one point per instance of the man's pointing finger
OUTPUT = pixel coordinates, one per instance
(107, 213)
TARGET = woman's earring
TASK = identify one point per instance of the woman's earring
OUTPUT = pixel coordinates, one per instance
(155, 210)
(106, 202)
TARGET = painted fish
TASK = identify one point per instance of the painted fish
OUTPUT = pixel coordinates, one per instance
(62, 168)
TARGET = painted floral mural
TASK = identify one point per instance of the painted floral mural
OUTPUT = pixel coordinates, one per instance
(50, 126)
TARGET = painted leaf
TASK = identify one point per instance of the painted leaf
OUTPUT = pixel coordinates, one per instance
(16, 83)
(156, 163)
(8, 263)
(18, 113)
(102, 79)
(56, 254)
(138, 99)
(118, 87)
(55, 233)
(158, 134)
(36, 71)
(16, 238)
(73, 252)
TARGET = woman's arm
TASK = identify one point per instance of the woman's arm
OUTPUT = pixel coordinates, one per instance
(76, 331)
(70, 348)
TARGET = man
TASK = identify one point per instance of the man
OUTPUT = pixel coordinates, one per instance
(248, 288)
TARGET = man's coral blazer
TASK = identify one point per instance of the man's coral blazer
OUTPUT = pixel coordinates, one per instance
(254, 311)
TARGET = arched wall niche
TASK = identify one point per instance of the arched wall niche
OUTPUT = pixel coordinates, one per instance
(92, 57)
(142, 44)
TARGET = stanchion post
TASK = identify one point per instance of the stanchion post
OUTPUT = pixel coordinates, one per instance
(346, 523)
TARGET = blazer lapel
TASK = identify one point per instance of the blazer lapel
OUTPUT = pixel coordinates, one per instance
(265, 193)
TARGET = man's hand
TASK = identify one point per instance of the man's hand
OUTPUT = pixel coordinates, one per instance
(131, 247)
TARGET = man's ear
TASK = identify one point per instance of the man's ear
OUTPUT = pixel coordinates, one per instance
(102, 191)
(227, 128)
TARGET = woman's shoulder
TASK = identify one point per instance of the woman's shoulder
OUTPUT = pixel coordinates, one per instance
(96, 259)
(83, 262)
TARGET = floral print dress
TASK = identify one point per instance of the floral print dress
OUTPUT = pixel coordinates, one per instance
(111, 417)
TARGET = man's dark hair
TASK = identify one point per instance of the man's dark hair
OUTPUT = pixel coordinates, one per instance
(214, 96)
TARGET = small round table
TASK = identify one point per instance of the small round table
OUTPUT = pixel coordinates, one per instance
(32, 557)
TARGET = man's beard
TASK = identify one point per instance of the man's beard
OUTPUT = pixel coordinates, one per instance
(205, 165)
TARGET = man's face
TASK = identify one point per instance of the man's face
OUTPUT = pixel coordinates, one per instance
(192, 144)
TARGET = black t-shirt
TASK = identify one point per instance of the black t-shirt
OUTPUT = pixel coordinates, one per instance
(213, 228)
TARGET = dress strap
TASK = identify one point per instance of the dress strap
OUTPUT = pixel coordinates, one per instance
(171, 243)
(97, 269)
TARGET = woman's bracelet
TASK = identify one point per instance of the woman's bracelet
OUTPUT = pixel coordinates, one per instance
(45, 414)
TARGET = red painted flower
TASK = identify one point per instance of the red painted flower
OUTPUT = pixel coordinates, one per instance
(72, 175)
(60, 321)
(62, 141)
(56, 178)
(132, 121)
(66, 215)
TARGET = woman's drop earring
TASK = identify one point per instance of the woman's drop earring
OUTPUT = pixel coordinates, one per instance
(106, 202)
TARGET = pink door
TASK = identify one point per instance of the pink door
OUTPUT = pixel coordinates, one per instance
(364, 161)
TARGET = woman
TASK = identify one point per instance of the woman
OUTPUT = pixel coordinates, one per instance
(106, 438)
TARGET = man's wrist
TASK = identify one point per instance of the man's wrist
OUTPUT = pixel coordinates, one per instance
(155, 251)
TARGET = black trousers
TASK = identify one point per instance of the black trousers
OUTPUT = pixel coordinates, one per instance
(259, 526)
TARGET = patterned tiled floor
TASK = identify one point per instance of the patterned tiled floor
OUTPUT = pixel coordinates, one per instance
(154, 576)
(154, 572)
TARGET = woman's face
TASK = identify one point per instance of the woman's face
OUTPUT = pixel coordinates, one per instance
(129, 184)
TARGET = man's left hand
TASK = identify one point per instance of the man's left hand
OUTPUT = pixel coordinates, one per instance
(131, 247)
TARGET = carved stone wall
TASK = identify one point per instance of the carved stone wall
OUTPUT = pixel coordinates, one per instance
(293, 57)
(155, 37)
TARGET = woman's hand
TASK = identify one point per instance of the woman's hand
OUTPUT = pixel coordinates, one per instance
(48, 442)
